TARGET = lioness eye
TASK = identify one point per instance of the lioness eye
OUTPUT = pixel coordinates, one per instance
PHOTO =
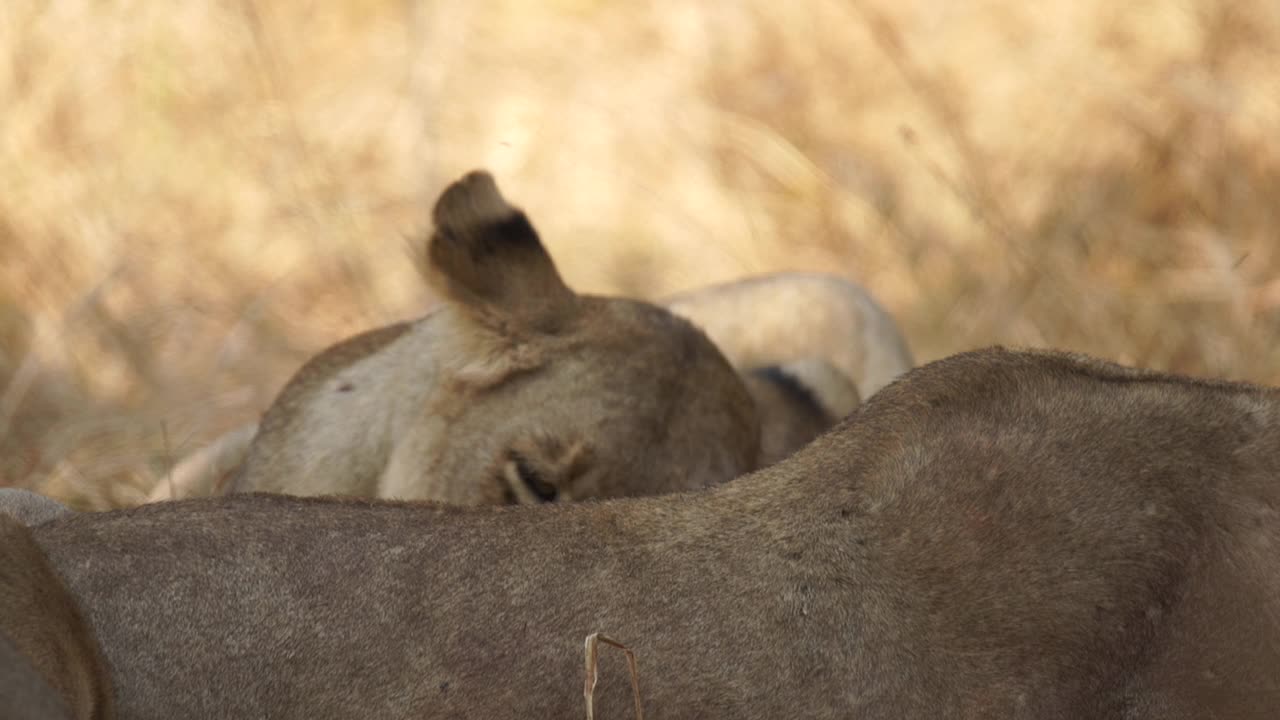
(541, 489)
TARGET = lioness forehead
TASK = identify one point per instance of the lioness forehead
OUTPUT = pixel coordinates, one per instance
(640, 326)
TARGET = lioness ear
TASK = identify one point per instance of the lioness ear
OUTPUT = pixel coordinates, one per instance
(808, 381)
(797, 401)
(486, 256)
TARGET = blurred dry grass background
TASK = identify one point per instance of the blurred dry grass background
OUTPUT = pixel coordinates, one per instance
(195, 196)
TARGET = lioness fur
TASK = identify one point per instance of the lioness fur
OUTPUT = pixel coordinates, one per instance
(797, 401)
(809, 347)
(515, 389)
(996, 534)
(820, 333)
(50, 664)
(29, 508)
(785, 317)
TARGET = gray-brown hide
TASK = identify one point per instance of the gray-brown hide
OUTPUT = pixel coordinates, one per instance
(784, 317)
(997, 534)
(50, 666)
(30, 508)
(515, 389)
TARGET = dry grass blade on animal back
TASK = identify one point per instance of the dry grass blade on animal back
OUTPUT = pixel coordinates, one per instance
(589, 689)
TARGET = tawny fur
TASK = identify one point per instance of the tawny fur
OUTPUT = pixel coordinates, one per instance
(477, 402)
(209, 470)
(505, 300)
(795, 403)
(997, 534)
(786, 317)
(50, 664)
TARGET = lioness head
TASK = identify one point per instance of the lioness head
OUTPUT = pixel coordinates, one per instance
(572, 395)
(548, 394)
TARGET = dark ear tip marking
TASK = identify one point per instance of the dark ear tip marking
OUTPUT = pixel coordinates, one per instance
(479, 177)
(471, 201)
(485, 254)
(476, 184)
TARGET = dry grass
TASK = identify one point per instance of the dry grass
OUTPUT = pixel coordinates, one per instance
(197, 195)
(591, 653)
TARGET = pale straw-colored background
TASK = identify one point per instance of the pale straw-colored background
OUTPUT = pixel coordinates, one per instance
(196, 195)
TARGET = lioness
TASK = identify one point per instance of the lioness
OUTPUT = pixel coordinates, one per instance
(514, 389)
(50, 664)
(559, 396)
(997, 534)
(796, 399)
